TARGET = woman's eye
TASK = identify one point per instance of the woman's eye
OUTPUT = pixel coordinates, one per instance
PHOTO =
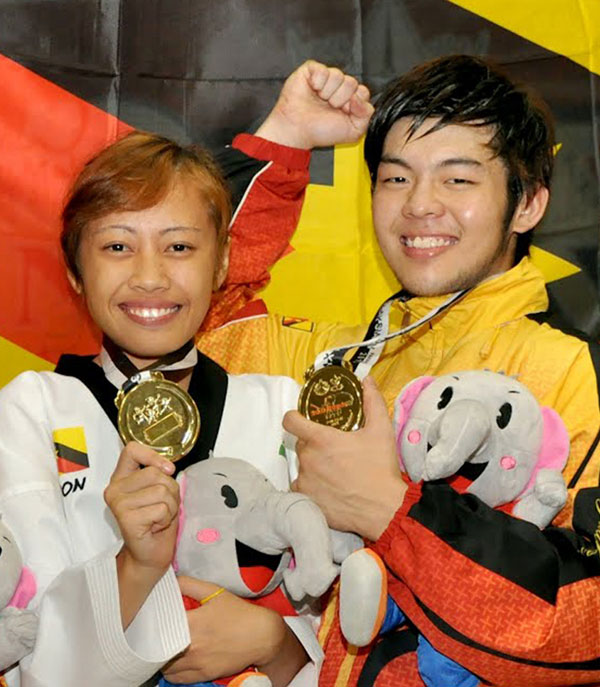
(180, 247)
(116, 247)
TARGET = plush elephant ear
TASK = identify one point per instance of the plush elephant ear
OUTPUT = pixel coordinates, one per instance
(403, 405)
(26, 589)
(554, 450)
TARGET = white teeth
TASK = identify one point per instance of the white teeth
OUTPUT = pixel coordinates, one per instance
(426, 241)
(152, 313)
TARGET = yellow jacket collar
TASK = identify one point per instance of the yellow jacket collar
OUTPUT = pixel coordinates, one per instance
(518, 292)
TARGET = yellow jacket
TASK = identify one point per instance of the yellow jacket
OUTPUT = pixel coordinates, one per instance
(488, 329)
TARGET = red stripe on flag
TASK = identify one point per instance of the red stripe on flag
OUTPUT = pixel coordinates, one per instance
(47, 134)
(65, 465)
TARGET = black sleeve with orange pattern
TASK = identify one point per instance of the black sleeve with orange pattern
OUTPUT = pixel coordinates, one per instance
(513, 604)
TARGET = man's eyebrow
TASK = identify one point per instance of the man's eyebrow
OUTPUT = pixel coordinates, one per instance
(449, 162)
(393, 160)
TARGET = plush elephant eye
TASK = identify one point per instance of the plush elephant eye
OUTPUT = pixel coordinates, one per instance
(445, 397)
(231, 499)
(504, 415)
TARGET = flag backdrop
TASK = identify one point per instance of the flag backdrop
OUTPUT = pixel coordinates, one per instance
(76, 74)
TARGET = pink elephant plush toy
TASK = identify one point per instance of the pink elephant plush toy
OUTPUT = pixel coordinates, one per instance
(487, 428)
(491, 427)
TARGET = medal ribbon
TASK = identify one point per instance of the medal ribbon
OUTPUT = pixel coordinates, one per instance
(370, 348)
(121, 372)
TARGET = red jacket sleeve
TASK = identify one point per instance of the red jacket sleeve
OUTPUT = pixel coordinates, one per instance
(512, 604)
(268, 182)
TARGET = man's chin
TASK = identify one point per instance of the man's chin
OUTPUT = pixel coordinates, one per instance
(429, 289)
(430, 286)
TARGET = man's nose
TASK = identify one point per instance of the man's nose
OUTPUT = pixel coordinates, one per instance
(423, 200)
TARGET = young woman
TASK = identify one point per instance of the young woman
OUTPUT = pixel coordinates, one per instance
(144, 238)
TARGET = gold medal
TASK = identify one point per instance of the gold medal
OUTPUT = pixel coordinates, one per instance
(159, 414)
(332, 396)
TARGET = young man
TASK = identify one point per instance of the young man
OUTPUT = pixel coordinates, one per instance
(461, 161)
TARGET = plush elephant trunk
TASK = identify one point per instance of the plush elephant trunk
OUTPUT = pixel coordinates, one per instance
(281, 520)
(455, 437)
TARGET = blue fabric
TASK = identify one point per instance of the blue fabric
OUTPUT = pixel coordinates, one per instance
(438, 670)
(165, 683)
(393, 616)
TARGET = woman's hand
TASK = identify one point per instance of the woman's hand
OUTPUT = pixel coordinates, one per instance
(144, 499)
(229, 634)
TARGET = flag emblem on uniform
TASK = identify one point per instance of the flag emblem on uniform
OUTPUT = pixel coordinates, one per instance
(71, 449)
(300, 323)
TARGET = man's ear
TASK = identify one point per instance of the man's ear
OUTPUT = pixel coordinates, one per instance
(75, 283)
(530, 211)
(223, 266)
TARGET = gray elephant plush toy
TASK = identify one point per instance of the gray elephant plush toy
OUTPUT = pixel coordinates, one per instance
(18, 626)
(488, 434)
(225, 503)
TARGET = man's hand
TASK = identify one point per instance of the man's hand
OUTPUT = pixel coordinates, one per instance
(353, 476)
(318, 106)
(144, 499)
(230, 634)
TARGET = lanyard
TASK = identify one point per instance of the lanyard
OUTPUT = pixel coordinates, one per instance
(119, 369)
(370, 348)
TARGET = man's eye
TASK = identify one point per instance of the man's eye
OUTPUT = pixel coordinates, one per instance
(116, 247)
(457, 181)
(180, 248)
(394, 180)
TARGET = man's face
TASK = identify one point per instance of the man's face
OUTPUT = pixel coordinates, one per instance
(439, 206)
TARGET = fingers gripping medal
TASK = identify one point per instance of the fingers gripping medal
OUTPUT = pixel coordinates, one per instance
(332, 396)
(332, 393)
(157, 413)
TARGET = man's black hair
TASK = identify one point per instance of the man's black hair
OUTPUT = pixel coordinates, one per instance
(461, 89)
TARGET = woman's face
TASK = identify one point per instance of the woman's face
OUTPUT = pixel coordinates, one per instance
(147, 276)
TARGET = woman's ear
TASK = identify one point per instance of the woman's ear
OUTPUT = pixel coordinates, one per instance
(530, 211)
(222, 265)
(75, 282)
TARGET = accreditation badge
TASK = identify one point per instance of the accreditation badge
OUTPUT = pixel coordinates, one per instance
(157, 413)
(332, 396)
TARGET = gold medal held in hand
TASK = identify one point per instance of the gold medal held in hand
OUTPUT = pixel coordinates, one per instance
(332, 396)
(158, 413)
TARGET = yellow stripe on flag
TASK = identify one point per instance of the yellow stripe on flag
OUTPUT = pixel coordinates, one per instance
(71, 437)
(551, 265)
(16, 360)
(336, 272)
(567, 27)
